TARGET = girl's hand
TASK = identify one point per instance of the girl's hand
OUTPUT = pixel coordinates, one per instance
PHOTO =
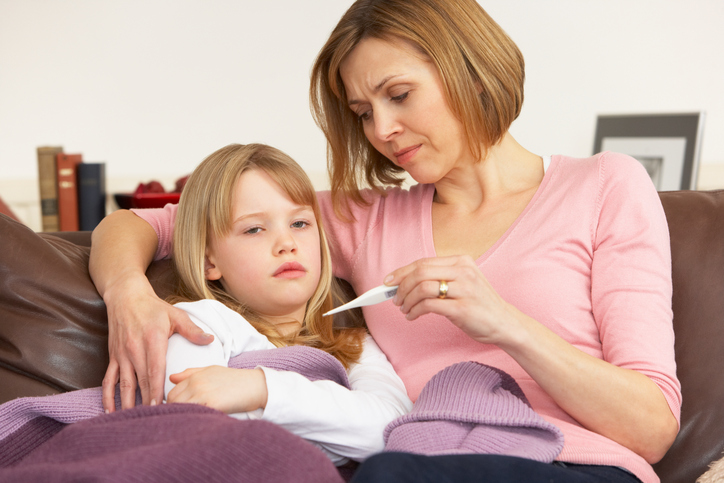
(225, 389)
(470, 302)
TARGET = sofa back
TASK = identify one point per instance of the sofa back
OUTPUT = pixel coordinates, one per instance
(696, 227)
(53, 323)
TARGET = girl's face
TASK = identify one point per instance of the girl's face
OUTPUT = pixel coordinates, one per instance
(270, 260)
(400, 100)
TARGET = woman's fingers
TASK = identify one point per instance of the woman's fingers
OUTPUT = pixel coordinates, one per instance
(402, 273)
(109, 386)
(424, 279)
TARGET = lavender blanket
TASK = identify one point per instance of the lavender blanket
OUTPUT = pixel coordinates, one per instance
(171, 442)
(473, 408)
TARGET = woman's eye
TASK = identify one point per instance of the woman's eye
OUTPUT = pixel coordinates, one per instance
(365, 116)
(400, 98)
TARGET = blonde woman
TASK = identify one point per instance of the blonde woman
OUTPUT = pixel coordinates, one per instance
(553, 269)
(254, 271)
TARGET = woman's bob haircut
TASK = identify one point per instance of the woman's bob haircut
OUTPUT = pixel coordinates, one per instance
(481, 69)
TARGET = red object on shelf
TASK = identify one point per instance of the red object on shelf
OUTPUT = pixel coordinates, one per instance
(150, 195)
(145, 200)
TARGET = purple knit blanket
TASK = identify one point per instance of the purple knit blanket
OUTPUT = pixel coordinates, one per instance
(473, 408)
(169, 442)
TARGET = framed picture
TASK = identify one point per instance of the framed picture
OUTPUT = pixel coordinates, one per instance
(666, 144)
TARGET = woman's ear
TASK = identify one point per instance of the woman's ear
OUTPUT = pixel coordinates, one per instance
(211, 272)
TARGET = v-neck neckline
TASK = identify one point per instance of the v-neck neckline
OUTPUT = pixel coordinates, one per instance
(549, 163)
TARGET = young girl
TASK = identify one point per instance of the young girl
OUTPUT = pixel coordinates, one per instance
(254, 271)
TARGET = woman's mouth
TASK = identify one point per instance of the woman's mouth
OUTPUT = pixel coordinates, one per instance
(405, 155)
(290, 270)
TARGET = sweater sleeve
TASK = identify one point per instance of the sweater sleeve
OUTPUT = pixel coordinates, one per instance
(631, 286)
(162, 220)
(344, 423)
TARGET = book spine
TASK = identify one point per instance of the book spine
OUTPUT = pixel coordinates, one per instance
(48, 185)
(67, 165)
(91, 194)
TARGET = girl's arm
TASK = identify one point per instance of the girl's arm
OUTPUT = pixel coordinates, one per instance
(344, 423)
(139, 323)
(199, 370)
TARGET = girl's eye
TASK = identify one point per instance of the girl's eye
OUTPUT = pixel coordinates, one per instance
(300, 224)
(253, 230)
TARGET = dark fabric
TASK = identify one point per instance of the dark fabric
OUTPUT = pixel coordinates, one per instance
(53, 322)
(173, 442)
(409, 468)
(696, 225)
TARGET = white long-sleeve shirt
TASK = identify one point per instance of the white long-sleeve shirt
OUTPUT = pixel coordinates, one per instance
(345, 424)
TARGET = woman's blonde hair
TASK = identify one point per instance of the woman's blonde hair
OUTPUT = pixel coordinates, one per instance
(482, 72)
(205, 211)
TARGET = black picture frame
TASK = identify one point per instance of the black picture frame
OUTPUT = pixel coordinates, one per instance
(667, 144)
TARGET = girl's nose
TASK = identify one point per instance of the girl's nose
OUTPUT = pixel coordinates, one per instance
(285, 243)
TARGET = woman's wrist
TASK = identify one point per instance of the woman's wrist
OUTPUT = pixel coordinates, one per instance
(125, 283)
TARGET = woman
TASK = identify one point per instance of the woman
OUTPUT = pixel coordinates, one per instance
(553, 269)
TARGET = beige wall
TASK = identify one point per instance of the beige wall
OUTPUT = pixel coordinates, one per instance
(152, 86)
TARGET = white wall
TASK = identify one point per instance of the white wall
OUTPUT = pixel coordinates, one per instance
(153, 86)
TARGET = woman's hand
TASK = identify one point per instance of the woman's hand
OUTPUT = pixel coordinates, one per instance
(222, 388)
(139, 323)
(470, 303)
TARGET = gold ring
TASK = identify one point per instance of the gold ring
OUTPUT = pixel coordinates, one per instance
(442, 291)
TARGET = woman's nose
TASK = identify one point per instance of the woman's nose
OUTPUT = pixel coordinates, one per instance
(386, 124)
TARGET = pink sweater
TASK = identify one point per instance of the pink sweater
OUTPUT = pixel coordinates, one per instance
(589, 258)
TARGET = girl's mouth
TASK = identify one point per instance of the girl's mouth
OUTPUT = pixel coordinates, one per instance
(290, 270)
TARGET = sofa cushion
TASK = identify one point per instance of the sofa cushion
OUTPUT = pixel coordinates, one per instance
(53, 322)
(696, 226)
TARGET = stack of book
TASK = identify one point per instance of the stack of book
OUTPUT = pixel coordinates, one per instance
(72, 192)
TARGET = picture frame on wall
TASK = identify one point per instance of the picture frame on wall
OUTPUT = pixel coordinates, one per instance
(667, 145)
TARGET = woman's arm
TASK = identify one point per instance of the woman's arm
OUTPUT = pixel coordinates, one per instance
(623, 405)
(139, 323)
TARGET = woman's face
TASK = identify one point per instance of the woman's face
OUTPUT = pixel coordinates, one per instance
(399, 98)
(270, 260)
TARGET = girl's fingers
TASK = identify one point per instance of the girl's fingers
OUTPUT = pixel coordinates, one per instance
(182, 376)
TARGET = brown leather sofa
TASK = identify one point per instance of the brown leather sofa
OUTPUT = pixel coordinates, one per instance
(53, 325)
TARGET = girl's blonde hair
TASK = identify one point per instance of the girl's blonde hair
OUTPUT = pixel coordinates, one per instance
(205, 211)
(482, 72)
